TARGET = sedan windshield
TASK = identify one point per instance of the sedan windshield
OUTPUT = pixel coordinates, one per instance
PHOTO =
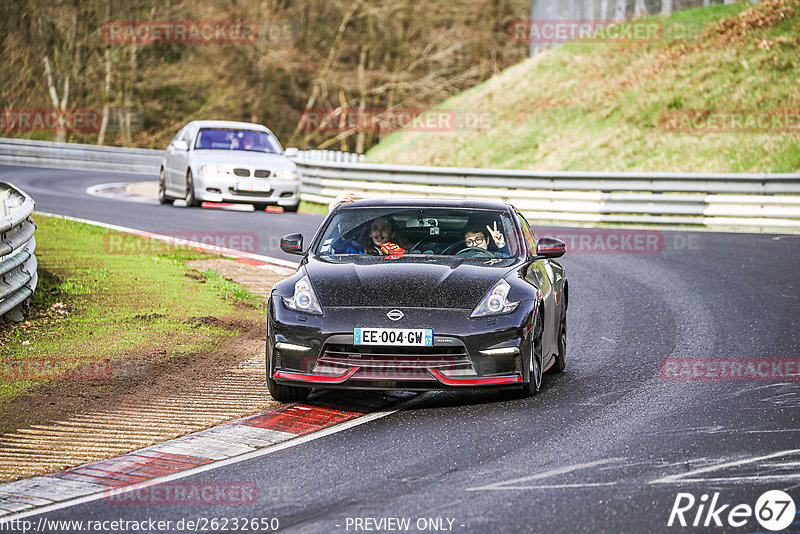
(231, 139)
(424, 231)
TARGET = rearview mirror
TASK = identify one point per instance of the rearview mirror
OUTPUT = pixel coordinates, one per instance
(291, 152)
(180, 144)
(292, 244)
(549, 247)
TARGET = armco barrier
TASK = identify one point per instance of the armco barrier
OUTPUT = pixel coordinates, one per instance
(706, 200)
(17, 247)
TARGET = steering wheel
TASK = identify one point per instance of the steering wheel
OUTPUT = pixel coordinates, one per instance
(418, 243)
(479, 252)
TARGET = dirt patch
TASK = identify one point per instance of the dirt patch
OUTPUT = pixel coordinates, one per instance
(258, 280)
(140, 375)
(764, 15)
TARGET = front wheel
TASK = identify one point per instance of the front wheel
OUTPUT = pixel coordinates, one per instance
(260, 207)
(282, 393)
(534, 360)
(191, 199)
(291, 209)
(162, 189)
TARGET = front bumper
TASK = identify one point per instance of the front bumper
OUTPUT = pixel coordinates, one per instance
(318, 351)
(222, 188)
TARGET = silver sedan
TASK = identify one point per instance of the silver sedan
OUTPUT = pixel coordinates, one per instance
(226, 161)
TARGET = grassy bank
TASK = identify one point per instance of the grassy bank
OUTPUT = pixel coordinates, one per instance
(108, 302)
(601, 106)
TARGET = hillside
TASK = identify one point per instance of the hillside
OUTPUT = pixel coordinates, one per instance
(620, 106)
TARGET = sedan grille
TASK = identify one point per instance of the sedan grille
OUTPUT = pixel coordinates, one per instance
(261, 173)
(241, 172)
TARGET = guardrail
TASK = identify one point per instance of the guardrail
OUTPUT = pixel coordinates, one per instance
(768, 201)
(18, 276)
(707, 200)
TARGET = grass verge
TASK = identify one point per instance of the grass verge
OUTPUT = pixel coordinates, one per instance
(99, 304)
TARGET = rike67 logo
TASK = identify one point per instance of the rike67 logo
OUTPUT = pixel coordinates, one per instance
(774, 510)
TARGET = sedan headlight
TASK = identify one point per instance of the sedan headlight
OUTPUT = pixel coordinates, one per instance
(287, 174)
(495, 302)
(210, 169)
(304, 299)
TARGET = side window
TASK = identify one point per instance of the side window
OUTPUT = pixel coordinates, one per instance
(530, 239)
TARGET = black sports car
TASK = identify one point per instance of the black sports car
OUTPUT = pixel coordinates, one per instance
(418, 295)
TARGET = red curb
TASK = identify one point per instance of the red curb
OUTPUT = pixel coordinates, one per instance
(218, 205)
(301, 419)
(251, 261)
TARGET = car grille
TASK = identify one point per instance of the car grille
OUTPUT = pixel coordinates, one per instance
(235, 193)
(241, 172)
(394, 363)
(261, 173)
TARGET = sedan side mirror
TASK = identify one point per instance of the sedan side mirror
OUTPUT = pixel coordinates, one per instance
(549, 247)
(291, 152)
(292, 244)
(180, 144)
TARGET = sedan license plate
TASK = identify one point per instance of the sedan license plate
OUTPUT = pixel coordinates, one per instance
(409, 337)
(252, 185)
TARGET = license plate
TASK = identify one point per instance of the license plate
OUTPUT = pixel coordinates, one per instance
(260, 187)
(410, 337)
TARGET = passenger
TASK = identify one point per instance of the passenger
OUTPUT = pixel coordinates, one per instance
(384, 238)
(476, 236)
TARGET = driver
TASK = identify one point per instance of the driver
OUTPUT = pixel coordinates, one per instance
(476, 236)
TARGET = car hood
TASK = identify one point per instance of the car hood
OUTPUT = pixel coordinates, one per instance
(243, 158)
(410, 282)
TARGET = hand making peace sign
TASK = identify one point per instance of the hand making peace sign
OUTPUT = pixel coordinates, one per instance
(497, 236)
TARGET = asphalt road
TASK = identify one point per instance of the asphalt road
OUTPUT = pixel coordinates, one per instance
(607, 446)
(64, 192)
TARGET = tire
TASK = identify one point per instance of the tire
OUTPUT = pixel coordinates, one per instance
(162, 190)
(534, 360)
(561, 357)
(282, 393)
(260, 207)
(291, 209)
(191, 199)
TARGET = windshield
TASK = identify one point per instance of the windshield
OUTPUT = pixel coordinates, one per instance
(232, 139)
(420, 231)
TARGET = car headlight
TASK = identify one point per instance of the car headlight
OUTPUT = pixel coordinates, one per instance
(304, 299)
(287, 174)
(495, 302)
(210, 169)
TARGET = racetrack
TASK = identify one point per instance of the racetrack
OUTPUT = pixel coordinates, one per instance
(605, 447)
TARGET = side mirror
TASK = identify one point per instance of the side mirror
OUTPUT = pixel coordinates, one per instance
(291, 152)
(549, 247)
(180, 144)
(292, 244)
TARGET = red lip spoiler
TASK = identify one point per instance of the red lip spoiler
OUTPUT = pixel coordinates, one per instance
(305, 377)
(474, 381)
